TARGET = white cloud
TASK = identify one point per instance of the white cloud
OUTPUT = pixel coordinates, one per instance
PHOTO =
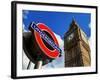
(89, 39)
(25, 14)
(24, 30)
(60, 41)
(25, 61)
(89, 25)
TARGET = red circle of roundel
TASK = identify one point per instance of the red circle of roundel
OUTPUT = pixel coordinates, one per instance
(50, 53)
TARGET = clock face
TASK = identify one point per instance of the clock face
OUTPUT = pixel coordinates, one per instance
(70, 37)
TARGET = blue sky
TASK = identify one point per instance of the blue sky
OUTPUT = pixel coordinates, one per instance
(58, 21)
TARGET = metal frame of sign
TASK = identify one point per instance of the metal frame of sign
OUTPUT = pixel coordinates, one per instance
(14, 38)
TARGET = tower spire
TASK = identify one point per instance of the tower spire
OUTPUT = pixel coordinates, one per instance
(73, 21)
(73, 24)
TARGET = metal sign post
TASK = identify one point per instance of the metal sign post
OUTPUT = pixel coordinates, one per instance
(29, 64)
(38, 64)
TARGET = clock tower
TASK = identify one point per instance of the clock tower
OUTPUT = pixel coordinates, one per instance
(76, 47)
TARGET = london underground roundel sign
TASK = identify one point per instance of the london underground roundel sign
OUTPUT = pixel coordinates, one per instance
(40, 31)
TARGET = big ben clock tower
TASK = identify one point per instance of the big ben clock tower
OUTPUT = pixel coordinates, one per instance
(76, 47)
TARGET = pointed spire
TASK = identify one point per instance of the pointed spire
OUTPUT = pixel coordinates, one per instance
(73, 20)
(73, 24)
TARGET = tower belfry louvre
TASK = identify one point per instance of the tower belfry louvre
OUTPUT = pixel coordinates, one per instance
(76, 47)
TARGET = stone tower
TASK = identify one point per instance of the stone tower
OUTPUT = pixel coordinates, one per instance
(76, 47)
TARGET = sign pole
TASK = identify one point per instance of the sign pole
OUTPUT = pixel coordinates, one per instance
(38, 64)
(29, 64)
